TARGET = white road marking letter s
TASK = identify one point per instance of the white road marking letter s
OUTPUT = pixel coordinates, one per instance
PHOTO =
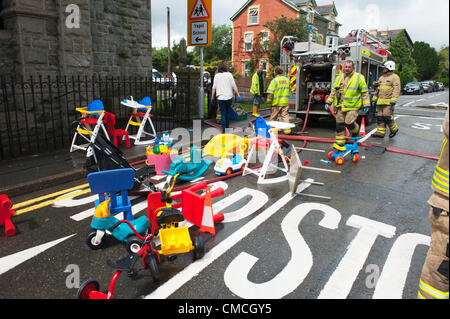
(297, 268)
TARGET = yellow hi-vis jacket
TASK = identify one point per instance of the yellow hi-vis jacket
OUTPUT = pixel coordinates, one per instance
(255, 89)
(388, 89)
(278, 91)
(347, 93)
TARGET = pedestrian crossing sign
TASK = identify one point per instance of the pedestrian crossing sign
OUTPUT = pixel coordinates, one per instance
(199, 21)
(199, 11)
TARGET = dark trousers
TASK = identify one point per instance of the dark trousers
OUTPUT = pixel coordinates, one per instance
(225, 113)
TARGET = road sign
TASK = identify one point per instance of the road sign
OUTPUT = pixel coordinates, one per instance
(199, 22)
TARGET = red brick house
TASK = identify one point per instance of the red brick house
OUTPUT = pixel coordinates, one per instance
(249, 20)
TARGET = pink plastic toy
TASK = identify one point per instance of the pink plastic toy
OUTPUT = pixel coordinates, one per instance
(5, 215)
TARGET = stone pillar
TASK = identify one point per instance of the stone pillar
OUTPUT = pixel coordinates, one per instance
(188, 89)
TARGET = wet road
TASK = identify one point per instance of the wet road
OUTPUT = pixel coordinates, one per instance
(368, 241)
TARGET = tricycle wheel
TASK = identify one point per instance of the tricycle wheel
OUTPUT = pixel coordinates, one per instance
(90, 241)
(340, 160)
(86, 288)
(199, 250)
(355, 157)
(152, 264)
(134, 244)
(330, 155)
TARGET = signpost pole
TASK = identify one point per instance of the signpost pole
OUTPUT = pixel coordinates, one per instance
(202, 91)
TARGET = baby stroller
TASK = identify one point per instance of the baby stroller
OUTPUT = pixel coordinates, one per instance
(103, 155)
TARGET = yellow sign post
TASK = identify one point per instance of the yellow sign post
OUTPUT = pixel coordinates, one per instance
(199, 13)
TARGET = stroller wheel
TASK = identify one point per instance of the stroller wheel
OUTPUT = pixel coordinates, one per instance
(134, 244)
(86, 288)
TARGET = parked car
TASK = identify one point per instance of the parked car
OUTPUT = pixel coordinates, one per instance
(433, 84)
(159, 79)
(427, 87)
(413, 88)
(441, 86)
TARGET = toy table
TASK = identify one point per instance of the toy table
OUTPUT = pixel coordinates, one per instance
(136, 119)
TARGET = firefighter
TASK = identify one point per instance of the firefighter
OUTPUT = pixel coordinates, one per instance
(386, 96)
(257, 89)
(278, 97)
(434, 278)
(348, 90)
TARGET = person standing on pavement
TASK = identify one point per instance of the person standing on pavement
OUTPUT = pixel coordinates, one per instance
(347, 92)
(257, 89)
(278, 97)
(224, 86)
(386, 95)
(434, 278)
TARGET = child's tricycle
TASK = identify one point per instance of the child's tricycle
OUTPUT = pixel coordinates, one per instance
(350, 147)
(103, 221)
(174, 240)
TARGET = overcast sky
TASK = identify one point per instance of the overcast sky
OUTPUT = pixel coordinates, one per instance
(425, 20)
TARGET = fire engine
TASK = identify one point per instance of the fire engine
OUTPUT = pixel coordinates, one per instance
(314, 66)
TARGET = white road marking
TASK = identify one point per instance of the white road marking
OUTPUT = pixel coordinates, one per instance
(341, 281)
(392, 280)
(177, 281)
(9, 262)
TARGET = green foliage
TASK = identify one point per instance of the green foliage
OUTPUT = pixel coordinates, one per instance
(443, 70)
(402, 56)
(280, 27)
(220, 48)
(427, 60)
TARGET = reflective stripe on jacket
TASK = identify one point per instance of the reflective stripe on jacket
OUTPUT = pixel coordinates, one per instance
(352, 96)
(388, 89)
(279, 89)
(439, 182)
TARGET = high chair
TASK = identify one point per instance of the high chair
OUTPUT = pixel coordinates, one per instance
(266, 139)
(139, 117)
(92, 118)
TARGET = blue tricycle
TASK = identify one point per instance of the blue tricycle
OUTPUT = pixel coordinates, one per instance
(350, 147)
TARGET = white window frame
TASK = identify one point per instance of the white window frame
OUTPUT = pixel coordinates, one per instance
(245, 71)
(265, 39)
(245, 41)
(252, 16)
(332, 22)
(310, 15)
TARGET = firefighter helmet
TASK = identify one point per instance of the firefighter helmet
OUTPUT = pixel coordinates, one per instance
(390, 65)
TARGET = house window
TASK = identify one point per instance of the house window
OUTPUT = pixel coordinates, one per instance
(310, 17)
(265, 39)
(264, 65)
(253, 16)
(248, 39)
(246, 69)
(331, 41)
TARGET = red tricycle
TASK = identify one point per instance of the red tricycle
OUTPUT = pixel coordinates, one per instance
(174, 240)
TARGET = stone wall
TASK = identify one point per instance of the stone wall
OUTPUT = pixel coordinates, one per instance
(113, 38)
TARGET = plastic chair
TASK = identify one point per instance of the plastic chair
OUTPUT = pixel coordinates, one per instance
(139, 117)
(116, 134)
(265, 138)
(113, 184)
(92, 115)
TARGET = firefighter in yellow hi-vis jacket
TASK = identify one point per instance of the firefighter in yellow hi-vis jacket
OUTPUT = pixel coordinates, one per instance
(348, 94)
(434, 278)
(386, 96)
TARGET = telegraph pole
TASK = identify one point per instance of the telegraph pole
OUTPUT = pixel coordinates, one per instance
(168, 42)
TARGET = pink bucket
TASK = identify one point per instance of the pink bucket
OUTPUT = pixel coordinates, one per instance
(161, 162)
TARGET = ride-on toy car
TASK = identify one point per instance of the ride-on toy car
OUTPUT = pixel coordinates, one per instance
(229, 164)
(350, 147)
(174, 240)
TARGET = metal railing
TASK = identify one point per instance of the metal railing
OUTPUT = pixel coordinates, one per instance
(36, 114)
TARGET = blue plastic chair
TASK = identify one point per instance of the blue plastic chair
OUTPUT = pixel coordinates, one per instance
(261, 127)
(113, 184)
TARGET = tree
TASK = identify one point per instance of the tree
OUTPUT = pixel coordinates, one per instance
(402, 56)
(427, 60)
(280, 27)
(443, 70)
(220, 48)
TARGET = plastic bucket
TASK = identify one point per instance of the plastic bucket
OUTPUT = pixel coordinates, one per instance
(161, 162)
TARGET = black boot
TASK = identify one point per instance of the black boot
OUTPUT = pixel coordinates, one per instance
(392, 134)
(378, 135)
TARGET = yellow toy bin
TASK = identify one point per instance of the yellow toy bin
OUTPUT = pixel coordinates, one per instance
(175, 241)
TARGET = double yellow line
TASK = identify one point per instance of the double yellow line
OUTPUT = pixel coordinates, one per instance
(82, 191)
